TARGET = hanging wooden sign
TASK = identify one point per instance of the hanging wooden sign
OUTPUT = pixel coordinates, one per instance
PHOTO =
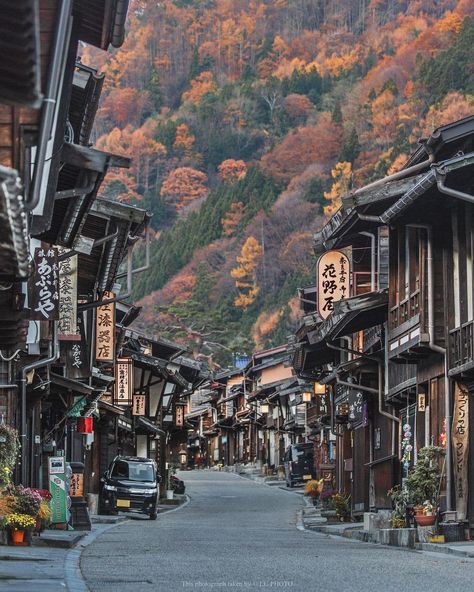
(68, 298)
(333, 277)
(179, 416)
(138, 405)
(460, 439)
(421, 402)
(75, 354)
(44, 286)
(356, 406)
(123, 381)
(105, 330)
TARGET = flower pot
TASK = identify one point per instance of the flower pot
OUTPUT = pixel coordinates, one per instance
(422, 520)
(18, 536)
(169, 494)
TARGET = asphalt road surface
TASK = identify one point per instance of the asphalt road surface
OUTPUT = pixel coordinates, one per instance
(236, 534)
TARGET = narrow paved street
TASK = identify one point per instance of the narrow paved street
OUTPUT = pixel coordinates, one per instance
(236, 534)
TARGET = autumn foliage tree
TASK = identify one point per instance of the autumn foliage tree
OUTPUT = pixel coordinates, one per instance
(304, 146)
(245, 274)
(184, 139)
(202, 85)
(231, 220)
(232, 170)
(183, 186)
(342, 175)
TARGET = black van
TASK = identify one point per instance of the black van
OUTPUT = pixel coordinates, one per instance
(299, 464)
(130, 484)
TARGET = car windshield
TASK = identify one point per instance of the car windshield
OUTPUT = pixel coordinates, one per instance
(133, 471)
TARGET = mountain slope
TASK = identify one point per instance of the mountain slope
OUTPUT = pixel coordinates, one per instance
(247, 120)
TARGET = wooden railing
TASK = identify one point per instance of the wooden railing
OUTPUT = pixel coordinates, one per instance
(406, 310)
(461, 345)
(362, 282)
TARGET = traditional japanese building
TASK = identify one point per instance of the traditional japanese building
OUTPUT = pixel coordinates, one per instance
(395, 354)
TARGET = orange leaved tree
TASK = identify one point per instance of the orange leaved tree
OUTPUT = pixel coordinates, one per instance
(183, 186)
(245, 274)
(232, 170)
(342, 175)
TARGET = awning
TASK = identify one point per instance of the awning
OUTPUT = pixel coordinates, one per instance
(20, 73)
(102, 22)
(273, 387)
(86, 89)
(80, 173)
(145, 425)
(72, 385)
(352, 315)
(109, 407)
(14, 256)
(197, 413)
(159, 366)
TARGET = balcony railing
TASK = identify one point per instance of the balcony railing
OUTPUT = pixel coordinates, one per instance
(461, 345)
(406, 310)
(362, 282)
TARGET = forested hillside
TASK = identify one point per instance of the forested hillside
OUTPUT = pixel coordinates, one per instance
(247, 120)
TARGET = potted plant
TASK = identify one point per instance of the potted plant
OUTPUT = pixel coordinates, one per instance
(326, 499)
(9, 447)
(44, 512)
(18, 524)
(169, 489)
(423, 484)
(341, 503)
(400, 501)
(313, 489)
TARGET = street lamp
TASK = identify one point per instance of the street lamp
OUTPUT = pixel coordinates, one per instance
(319, 389)
(307, 396)
(183, 456)
(264, 407)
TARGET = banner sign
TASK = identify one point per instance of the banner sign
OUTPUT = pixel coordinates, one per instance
(75, 355)
(138, 405)
(76, 487)
(356, 406)
(44, 287)
(105, 330)
(421, 402)
(179, 416)
(123, 381)
(57, 488)
(460, 439)
(333, 276)
(68, 297)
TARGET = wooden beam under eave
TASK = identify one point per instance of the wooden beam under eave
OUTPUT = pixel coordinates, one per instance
(83, 157)
(391, 189)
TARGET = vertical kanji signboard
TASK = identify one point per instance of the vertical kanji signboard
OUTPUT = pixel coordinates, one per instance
(105, 330)
(123, 381)
(333, 281)
(68, 297)
(44, 287)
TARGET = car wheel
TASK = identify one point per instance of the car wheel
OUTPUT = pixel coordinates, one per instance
(153, 515)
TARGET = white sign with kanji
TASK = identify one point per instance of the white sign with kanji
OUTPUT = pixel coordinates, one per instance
(333, 281)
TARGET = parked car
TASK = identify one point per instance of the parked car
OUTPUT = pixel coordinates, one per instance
(299, 464)
(130, 484)
(177, 484)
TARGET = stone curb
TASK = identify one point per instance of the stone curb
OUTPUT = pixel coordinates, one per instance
(434, 548)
